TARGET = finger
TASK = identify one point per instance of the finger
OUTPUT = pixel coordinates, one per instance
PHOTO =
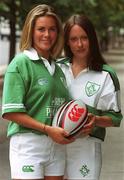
(70, 138)
(90, 115)
(65, 133)
(67, 140)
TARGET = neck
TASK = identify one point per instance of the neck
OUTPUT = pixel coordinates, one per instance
(78, 65)
(82, 63)
(45, 54)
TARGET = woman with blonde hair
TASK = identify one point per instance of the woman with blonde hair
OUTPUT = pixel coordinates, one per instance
(34, 88)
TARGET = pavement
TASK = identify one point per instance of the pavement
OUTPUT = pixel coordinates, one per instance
(113, 146)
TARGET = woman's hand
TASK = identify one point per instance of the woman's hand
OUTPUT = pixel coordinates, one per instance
(88, 127)
(58, 135)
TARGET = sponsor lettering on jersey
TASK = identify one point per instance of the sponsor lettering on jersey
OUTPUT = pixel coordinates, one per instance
(51, 110)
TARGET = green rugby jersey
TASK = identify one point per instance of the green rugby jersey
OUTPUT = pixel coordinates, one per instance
(30, 87)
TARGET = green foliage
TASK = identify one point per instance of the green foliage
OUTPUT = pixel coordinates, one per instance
(3, 7)
(104, 14)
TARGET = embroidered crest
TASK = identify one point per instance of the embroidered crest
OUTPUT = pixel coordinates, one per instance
(84, 170)
(91, 88)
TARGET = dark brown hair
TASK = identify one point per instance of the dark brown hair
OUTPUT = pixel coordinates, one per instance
(95, 61)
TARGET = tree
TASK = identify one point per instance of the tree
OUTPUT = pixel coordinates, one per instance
(9, 10)
(104, 14)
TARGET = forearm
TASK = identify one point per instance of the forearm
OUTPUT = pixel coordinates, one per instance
(25, 120)
(57, 134)
(114, 117)
(103, 121)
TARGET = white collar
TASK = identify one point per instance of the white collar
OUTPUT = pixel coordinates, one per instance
(33, 55)
(50, 67)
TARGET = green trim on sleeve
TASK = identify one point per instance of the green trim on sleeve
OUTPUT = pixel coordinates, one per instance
(116, 116)
(113, 75)
(99, 132)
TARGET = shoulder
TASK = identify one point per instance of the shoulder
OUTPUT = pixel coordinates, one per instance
(63, 63)
(17, 62)
(63, 60)
(109, 69)
(113, 75)
(19, 58)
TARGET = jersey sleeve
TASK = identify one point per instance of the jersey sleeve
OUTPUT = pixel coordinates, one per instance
(13, 91)
(109, 100)
(110, 96)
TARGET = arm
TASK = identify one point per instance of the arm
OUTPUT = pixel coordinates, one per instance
(99, 121)
(57, 134)
(103, 121)
(107, 110)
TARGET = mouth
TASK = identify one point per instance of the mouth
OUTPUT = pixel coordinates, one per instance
(80, 50)
(46, 41)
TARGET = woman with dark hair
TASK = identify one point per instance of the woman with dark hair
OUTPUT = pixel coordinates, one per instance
(90, 79)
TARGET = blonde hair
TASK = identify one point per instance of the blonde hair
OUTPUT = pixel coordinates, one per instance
(27, 32)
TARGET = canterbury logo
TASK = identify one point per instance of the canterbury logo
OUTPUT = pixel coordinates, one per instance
(28, 168)
(75, 113)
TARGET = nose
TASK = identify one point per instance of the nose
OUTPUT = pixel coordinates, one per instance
(79, 42)
(46, 32)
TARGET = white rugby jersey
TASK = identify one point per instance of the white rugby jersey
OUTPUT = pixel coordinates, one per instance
(99, 90)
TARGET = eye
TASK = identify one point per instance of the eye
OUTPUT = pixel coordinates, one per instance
(41, 29)
(73, 39)
(54, 29)
(84, 38)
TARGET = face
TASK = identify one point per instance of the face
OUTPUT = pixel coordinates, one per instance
(44, 35)
(78, 42)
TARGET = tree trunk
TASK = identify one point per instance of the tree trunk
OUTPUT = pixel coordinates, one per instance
(12, 31)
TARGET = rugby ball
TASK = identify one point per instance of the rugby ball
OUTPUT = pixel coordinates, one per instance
(71, 116)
